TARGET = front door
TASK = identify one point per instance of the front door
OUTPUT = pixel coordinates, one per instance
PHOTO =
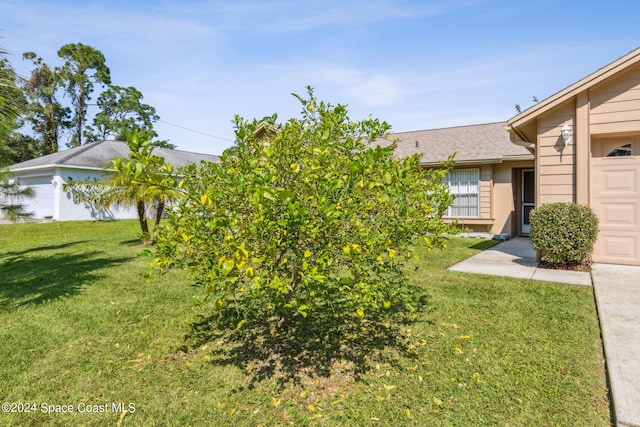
(528, 198)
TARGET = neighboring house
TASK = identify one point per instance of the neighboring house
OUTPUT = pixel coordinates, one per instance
(47, 174)
(492, 179)
(597, 160)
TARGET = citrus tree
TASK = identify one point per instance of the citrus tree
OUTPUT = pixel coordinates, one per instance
(304, 218)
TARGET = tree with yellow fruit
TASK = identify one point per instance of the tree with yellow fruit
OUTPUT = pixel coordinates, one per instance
(305, 219)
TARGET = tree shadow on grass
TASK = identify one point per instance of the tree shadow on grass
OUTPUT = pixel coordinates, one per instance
(323, 345)
(484, 244)
(15, 254)
(132, 242)
(39, 275)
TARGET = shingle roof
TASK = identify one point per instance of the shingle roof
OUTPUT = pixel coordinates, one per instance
(99, 154)
(484, 143)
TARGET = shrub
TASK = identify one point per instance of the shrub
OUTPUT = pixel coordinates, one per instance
(305, 219)
(564, 233)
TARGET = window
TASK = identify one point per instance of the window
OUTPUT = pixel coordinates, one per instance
(463, 184)
(623, 150)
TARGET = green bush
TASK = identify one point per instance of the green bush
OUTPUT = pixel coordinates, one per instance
(564, 233)
(306, 220)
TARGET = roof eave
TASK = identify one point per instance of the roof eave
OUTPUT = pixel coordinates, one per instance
(56, 166)
(518, 138)
(470, 162)
(559, 97)
(463, 162)
(518, 157)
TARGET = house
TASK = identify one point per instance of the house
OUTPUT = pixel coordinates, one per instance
(586, 143)
(492, 179)
(580, 145)
(47, 174)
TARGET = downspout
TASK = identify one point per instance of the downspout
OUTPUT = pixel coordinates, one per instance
(518, 139)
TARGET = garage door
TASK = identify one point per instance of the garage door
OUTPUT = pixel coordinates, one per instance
(42, 204)
(615, 198)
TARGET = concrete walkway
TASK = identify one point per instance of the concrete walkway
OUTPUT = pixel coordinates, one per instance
(617, 294)
(516, 258)
(617, 290)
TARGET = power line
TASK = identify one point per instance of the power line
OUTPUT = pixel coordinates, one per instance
(189, 129)
(195, 131)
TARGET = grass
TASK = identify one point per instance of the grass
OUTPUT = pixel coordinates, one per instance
(82, 326)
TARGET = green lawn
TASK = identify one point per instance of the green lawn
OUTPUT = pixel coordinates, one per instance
(82, 326)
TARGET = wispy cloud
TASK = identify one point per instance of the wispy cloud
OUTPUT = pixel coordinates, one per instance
(293, 16)
(417, 64)
(366, 87)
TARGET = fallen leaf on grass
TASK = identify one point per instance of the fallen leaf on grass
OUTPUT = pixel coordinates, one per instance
(120, 418)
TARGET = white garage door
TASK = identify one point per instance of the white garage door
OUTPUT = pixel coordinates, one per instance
(42, 204)
(615, 198)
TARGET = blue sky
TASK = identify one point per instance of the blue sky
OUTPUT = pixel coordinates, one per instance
(416, 64)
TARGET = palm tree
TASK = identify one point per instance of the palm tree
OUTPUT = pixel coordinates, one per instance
(6, 107)
(11, 97)
(123, 189)
(10, 195)
(12, 102)
(137, 182)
